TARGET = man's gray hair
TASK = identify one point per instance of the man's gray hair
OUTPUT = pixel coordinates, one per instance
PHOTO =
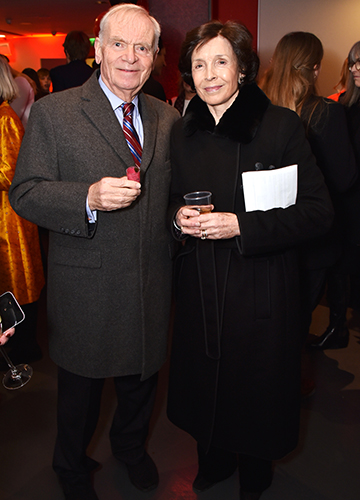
(125, 8)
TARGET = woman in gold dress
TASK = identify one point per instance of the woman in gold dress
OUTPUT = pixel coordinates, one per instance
(21, 269)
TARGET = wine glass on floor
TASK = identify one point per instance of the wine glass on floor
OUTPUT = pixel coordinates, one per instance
(18, 375)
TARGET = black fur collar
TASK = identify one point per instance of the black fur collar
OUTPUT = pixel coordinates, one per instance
(239, 123)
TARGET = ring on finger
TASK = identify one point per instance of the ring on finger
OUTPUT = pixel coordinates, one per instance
(203, 234)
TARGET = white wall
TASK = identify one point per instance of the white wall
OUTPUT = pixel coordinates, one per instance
(335, 22)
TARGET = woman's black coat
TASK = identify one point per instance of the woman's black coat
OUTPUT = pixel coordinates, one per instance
(352, 200)
(327, 131)
(234, 374)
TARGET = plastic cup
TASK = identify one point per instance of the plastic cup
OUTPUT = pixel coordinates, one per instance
(199, 199)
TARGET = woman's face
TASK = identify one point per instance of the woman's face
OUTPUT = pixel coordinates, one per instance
(215, 73)
(355, 72)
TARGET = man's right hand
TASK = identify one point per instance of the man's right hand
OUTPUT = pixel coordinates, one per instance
(112, 193)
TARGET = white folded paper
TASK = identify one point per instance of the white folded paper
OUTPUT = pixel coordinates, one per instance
(267, 189)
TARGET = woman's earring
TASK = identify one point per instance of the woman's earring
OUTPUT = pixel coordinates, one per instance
(241, 78)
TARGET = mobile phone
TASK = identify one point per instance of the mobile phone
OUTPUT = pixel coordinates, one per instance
(11, 313)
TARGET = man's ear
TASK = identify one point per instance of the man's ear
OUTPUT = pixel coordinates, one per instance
(97, 48)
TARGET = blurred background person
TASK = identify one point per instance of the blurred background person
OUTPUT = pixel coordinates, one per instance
(340, 87)
(290, 81)
(351, 100)
(21, 270)
(186, 93)
(44, 79)
(25, 95)
(31, 73)
(76, 71)
(152, 86)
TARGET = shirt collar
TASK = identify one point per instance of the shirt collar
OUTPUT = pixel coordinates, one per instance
(115, 101)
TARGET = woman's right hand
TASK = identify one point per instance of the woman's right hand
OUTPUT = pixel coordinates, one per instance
(187, 219)
(207, 225)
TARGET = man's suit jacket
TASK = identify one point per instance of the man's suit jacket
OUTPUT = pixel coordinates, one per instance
(109, 292)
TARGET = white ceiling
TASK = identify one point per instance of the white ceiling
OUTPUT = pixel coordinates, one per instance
(25, 17)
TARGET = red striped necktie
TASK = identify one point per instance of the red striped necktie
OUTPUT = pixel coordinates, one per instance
(130, 133)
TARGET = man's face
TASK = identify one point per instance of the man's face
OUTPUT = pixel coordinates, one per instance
(126, 53)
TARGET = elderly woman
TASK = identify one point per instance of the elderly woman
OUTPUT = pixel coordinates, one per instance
(235, 363)
(21, 269)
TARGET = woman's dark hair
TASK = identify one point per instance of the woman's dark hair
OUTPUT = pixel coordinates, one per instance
(42, 72)
(31, 73)
(77, 45)
(240, 40)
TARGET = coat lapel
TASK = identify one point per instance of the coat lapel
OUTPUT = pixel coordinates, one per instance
(150, 121)
(97, 108)
(94, 102)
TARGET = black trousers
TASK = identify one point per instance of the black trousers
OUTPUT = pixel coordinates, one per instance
(255, 474)
(78, 413)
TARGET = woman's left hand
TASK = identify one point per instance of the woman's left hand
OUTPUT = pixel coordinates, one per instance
(218, 226)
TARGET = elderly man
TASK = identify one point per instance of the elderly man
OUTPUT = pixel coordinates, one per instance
(109, 263)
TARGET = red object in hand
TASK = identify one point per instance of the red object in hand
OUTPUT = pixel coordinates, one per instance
(133, 174)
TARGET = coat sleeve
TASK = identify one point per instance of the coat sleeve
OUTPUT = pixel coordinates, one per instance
(37, 192)
(312, 214)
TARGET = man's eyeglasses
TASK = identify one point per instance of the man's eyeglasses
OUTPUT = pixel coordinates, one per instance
(357, 65)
